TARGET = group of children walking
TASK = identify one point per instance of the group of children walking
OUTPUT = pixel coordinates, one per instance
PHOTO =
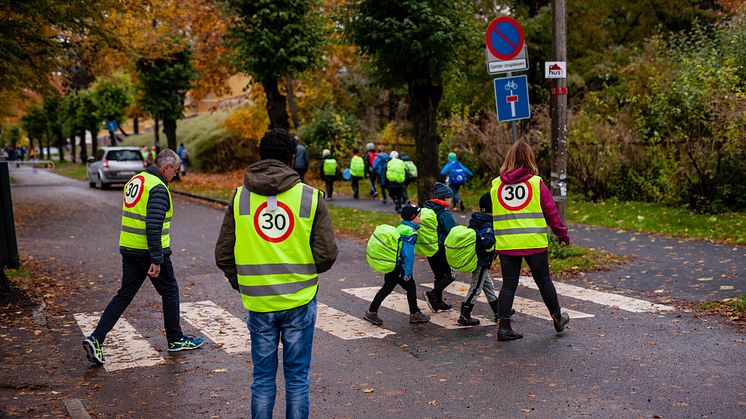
(510, 225)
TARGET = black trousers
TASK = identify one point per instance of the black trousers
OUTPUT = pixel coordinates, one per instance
(134, 271)
(396, 191)
(390, 281)
(441, 271)
(329, 185)
(511, 270)
(373, 177)
(355, 182)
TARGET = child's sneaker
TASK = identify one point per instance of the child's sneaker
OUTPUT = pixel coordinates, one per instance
(372, 317)
(186, 343)
(418, 317)
(94, 351)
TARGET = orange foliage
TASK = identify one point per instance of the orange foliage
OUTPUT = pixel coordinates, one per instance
(250, 121)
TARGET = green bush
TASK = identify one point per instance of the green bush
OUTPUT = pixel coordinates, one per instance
(330, 128)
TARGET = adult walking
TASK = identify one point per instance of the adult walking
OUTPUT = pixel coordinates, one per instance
(301, 160)
(329, 171)
(275, 240)
(370, 160)
(396, 174)
(357, 172)
(145, 245)
(522, 208)
(457, 175)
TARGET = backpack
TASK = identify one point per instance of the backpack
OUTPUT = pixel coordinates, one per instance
(411, 169)
(427, 235)
(382, 251)
(396, 171)
(457, 176)
(357, 166)
(461, 250)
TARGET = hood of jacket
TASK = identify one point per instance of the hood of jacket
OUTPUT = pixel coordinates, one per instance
(436, 205)
(480, 220)
(269, 177)
(516, 176)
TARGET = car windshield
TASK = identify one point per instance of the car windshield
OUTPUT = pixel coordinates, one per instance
(124, 155)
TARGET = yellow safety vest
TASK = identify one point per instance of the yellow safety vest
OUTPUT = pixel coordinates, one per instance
(135, 208)
(330, 167)
(516, 215)
(276, 269)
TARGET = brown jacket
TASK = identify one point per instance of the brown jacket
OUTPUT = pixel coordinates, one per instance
(270, 177)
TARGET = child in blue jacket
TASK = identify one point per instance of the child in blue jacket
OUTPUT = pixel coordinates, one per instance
(457, 175)
(402, 274)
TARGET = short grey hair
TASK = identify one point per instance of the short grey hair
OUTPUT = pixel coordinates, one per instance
(167, 157)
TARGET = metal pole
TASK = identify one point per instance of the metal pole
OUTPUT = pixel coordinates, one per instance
(558, 107)
(8, 243)
(512, 123)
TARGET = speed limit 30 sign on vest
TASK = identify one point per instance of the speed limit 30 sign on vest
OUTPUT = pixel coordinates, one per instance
(517, 217)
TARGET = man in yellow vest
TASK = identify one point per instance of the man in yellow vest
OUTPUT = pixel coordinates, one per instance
(145, 245)
(276, 238)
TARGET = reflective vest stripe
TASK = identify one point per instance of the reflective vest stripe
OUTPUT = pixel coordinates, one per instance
(140, 217)
(141, 231)
(527, 230)
(517, 216)
(277, 289)
(244, 203)
(276, 269)
(306, 202)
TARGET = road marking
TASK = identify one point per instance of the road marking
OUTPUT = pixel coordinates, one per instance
(621, 302)
(218, 325)
(520, 305)
(345, 326)
(398, 302)
(124, 347)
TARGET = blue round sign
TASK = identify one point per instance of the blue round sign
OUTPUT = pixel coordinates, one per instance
(504, 38)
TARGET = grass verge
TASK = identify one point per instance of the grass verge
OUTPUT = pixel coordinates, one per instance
(71, 170)
(733, 308)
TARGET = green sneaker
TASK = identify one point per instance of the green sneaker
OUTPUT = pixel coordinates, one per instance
(186, 343)
(94, 350)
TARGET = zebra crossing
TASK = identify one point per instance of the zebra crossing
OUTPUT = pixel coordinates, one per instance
(126, 348)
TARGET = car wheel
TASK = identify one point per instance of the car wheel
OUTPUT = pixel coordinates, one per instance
(100, 184)
(91, 184)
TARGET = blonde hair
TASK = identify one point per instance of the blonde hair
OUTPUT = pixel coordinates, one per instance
(520, 155)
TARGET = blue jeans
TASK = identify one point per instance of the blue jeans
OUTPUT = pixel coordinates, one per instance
(295, 327)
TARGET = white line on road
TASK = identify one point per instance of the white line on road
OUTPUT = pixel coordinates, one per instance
(398, 302)
(124, 347)
(599, 297)
(345, 326)
(520, 305)
(218, 325)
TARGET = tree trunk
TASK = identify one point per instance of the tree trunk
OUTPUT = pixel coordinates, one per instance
(278, 115)
(291, 103)
(94, 140)
(169, 128)
(83, 148)
(156, 134)
(423, 110)
(136, 125)
(49, 155)
(4, 282)
(72, 148)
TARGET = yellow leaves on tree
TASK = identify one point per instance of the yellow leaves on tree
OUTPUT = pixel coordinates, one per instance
(250, 121)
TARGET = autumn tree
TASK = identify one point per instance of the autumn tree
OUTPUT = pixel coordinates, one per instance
(53, 112)
(273, 41)
(35, 125)
(415, 43)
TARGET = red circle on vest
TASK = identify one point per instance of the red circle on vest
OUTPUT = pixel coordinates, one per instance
(133, 191)
(513, 201)
(276, 226)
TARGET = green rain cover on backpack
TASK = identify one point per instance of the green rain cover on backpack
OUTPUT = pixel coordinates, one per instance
(427, 235)
(461, 251)
(383, 248)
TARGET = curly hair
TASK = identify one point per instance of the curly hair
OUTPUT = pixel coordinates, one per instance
(277, 144)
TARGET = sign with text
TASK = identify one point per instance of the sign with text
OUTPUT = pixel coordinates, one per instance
(555, 70)
(511, 98)
(517, 63)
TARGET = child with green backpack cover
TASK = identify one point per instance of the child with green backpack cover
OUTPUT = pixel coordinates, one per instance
(402, 271)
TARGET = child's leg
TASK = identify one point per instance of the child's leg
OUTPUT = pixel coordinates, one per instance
(511, 269)
(411, 288)
(389, 283)
(477, 278)
(488, 286)
(539, 265)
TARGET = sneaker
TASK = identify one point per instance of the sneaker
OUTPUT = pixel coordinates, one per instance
(186, 343)
(372, 317)
(443, 306)
(430, 300)
(94, 350)
(418, 317)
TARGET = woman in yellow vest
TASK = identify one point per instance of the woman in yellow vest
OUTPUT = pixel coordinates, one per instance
(522, 208)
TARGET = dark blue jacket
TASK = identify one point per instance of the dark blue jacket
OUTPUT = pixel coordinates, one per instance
(482, 224)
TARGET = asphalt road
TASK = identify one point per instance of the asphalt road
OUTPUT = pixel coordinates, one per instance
(678, 363)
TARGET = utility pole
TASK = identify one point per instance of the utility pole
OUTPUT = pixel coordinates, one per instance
(558, 109)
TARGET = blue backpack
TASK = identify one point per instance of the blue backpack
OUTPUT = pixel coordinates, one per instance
(457, 176)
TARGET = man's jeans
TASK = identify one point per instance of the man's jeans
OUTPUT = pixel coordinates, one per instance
(295, 327)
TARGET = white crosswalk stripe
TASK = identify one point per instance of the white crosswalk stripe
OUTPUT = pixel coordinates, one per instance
(398, 302)
(621, 302)
(520, 305)
(218, 325)
(124, 347)
(345, 326)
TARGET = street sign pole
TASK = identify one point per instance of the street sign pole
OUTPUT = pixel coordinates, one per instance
(512, 123)
(558, 109)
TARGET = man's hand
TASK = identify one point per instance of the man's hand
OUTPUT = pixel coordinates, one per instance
(154, 271)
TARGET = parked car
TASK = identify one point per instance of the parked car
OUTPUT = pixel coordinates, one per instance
(114, 165)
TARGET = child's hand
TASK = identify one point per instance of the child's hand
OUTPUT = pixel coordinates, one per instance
(407, 278)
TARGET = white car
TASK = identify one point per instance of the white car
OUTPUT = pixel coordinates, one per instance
(114, 165)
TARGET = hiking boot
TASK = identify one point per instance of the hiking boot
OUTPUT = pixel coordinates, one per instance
(435, 305)
(94, 351)
(495, 310)
(372, 317)
(505, 332)
(443, 306)
(186, 343)
(560, 320)
(418, 317)
(465, 318)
